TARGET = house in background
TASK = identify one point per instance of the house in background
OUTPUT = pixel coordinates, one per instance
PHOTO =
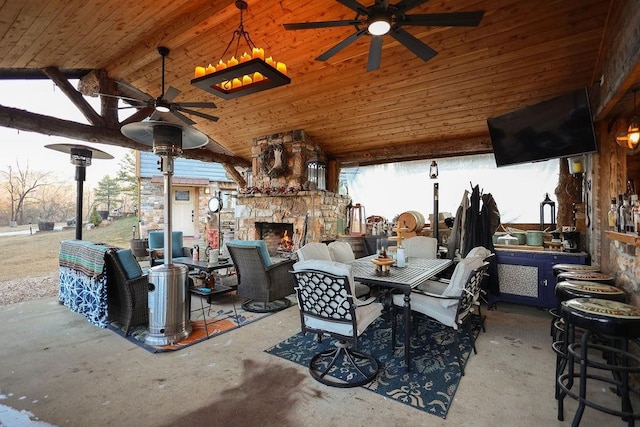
(194, 183)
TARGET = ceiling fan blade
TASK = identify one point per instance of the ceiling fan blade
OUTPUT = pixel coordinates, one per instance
(413, 44)
(457, 19)
(124, 98)
(375, 53)
(196, 104)
(128, 88)
(196, 113)
(344, 43)
(405, 5)
(182, 117)
(170, 94)
(354, 5)
(322, 24)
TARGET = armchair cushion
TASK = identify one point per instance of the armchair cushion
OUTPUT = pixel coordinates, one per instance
(156, 241)
(332, 267)
(262, 248)
(341, 251)
(314, 250)
(459, 277)
(129, 264)
(480, 251)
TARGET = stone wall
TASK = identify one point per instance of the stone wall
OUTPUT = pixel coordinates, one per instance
(323, 213)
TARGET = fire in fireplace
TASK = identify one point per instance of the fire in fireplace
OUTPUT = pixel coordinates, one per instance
(278, 236)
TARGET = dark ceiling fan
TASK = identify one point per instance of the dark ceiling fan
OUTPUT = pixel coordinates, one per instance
(383, 18)
(164, 103)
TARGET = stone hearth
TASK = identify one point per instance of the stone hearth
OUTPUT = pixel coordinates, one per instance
(280, 192)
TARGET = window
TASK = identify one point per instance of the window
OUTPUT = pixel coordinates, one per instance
(391, 189)
(182, 195)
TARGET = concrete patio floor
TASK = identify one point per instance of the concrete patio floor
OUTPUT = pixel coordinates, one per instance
(67, 372)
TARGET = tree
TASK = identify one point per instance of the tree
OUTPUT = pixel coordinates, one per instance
(128, 181)
(20, 184)
(107, 192)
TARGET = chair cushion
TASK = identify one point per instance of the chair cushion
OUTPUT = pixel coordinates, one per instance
(459, 278)
(176, 244)
(129, 263)
(480, 251)
(260, 244)
(314, 250)
(332, 267)
(341, 252)
(421, 247)
(431, 307)
(156, 241)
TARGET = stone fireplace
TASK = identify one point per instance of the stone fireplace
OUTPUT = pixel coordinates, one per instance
(280, 194)
(278, 236)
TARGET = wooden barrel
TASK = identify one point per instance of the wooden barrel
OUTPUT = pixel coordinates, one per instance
(356, 243)
(413, 220)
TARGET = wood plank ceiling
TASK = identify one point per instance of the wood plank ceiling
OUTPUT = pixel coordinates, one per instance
(523, 52)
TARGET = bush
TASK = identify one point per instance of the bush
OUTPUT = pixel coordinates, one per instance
(95, 218)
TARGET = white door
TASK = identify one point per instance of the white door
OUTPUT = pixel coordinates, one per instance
(184, 205)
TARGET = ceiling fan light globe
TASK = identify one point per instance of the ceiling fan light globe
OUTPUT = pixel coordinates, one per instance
(379, 25)
(162, 108)
(634, 131)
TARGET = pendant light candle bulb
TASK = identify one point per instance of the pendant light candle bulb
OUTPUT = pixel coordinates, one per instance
(245, 57)
(232, 62)
(257, 52)
(199, 72)
(210, 69)
(257, 77)
(281, 67)
(270, 62)
(221, 66)
(246, 80)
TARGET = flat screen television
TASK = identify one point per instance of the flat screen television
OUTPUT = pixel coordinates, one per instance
(559, 127)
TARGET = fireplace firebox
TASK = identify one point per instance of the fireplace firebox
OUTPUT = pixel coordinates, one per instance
(277, 235)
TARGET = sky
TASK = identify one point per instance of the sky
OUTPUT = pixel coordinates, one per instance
(44, 97)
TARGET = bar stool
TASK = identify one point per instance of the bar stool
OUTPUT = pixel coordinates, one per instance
(560, 268)
(570, 289)
(613, 323)
(587, 276)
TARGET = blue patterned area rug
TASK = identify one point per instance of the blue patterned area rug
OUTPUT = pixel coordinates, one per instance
(434, 377)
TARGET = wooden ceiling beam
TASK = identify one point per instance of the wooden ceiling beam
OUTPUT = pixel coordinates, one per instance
(621, 47)
(417, 151)
(31, 122)
(76, 97)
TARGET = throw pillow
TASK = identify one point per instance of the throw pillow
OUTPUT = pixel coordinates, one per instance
(129, 264)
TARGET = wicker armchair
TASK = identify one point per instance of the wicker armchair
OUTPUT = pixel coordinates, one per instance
(264, 283)
(127, 297)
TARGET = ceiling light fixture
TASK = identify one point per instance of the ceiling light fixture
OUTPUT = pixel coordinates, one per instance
(379, 24)
(631, 137)
(244, 74)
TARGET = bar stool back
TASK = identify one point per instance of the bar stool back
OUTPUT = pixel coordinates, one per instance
(607, 328)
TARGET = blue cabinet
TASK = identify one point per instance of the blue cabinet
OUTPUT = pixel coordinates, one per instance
(526, 277)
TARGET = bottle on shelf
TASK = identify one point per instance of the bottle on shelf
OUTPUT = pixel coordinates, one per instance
(620, 223)
(635, 213)
(611, 215)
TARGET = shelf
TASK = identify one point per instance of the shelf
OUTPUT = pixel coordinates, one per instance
(629, 239)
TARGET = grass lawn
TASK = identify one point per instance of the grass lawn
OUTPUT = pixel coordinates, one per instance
(37, 254)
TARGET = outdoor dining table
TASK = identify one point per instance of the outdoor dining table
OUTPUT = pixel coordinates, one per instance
(415, 272)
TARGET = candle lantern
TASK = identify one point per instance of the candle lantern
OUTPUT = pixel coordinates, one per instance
(548, 202)
(317, 173)
(357, 226)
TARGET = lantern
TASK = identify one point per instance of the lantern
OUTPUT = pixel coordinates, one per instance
(357, 226)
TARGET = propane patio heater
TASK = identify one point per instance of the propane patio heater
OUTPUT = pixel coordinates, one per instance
(81, 156)
(168, 293)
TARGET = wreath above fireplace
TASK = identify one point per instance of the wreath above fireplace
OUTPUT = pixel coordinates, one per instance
(274, 161)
